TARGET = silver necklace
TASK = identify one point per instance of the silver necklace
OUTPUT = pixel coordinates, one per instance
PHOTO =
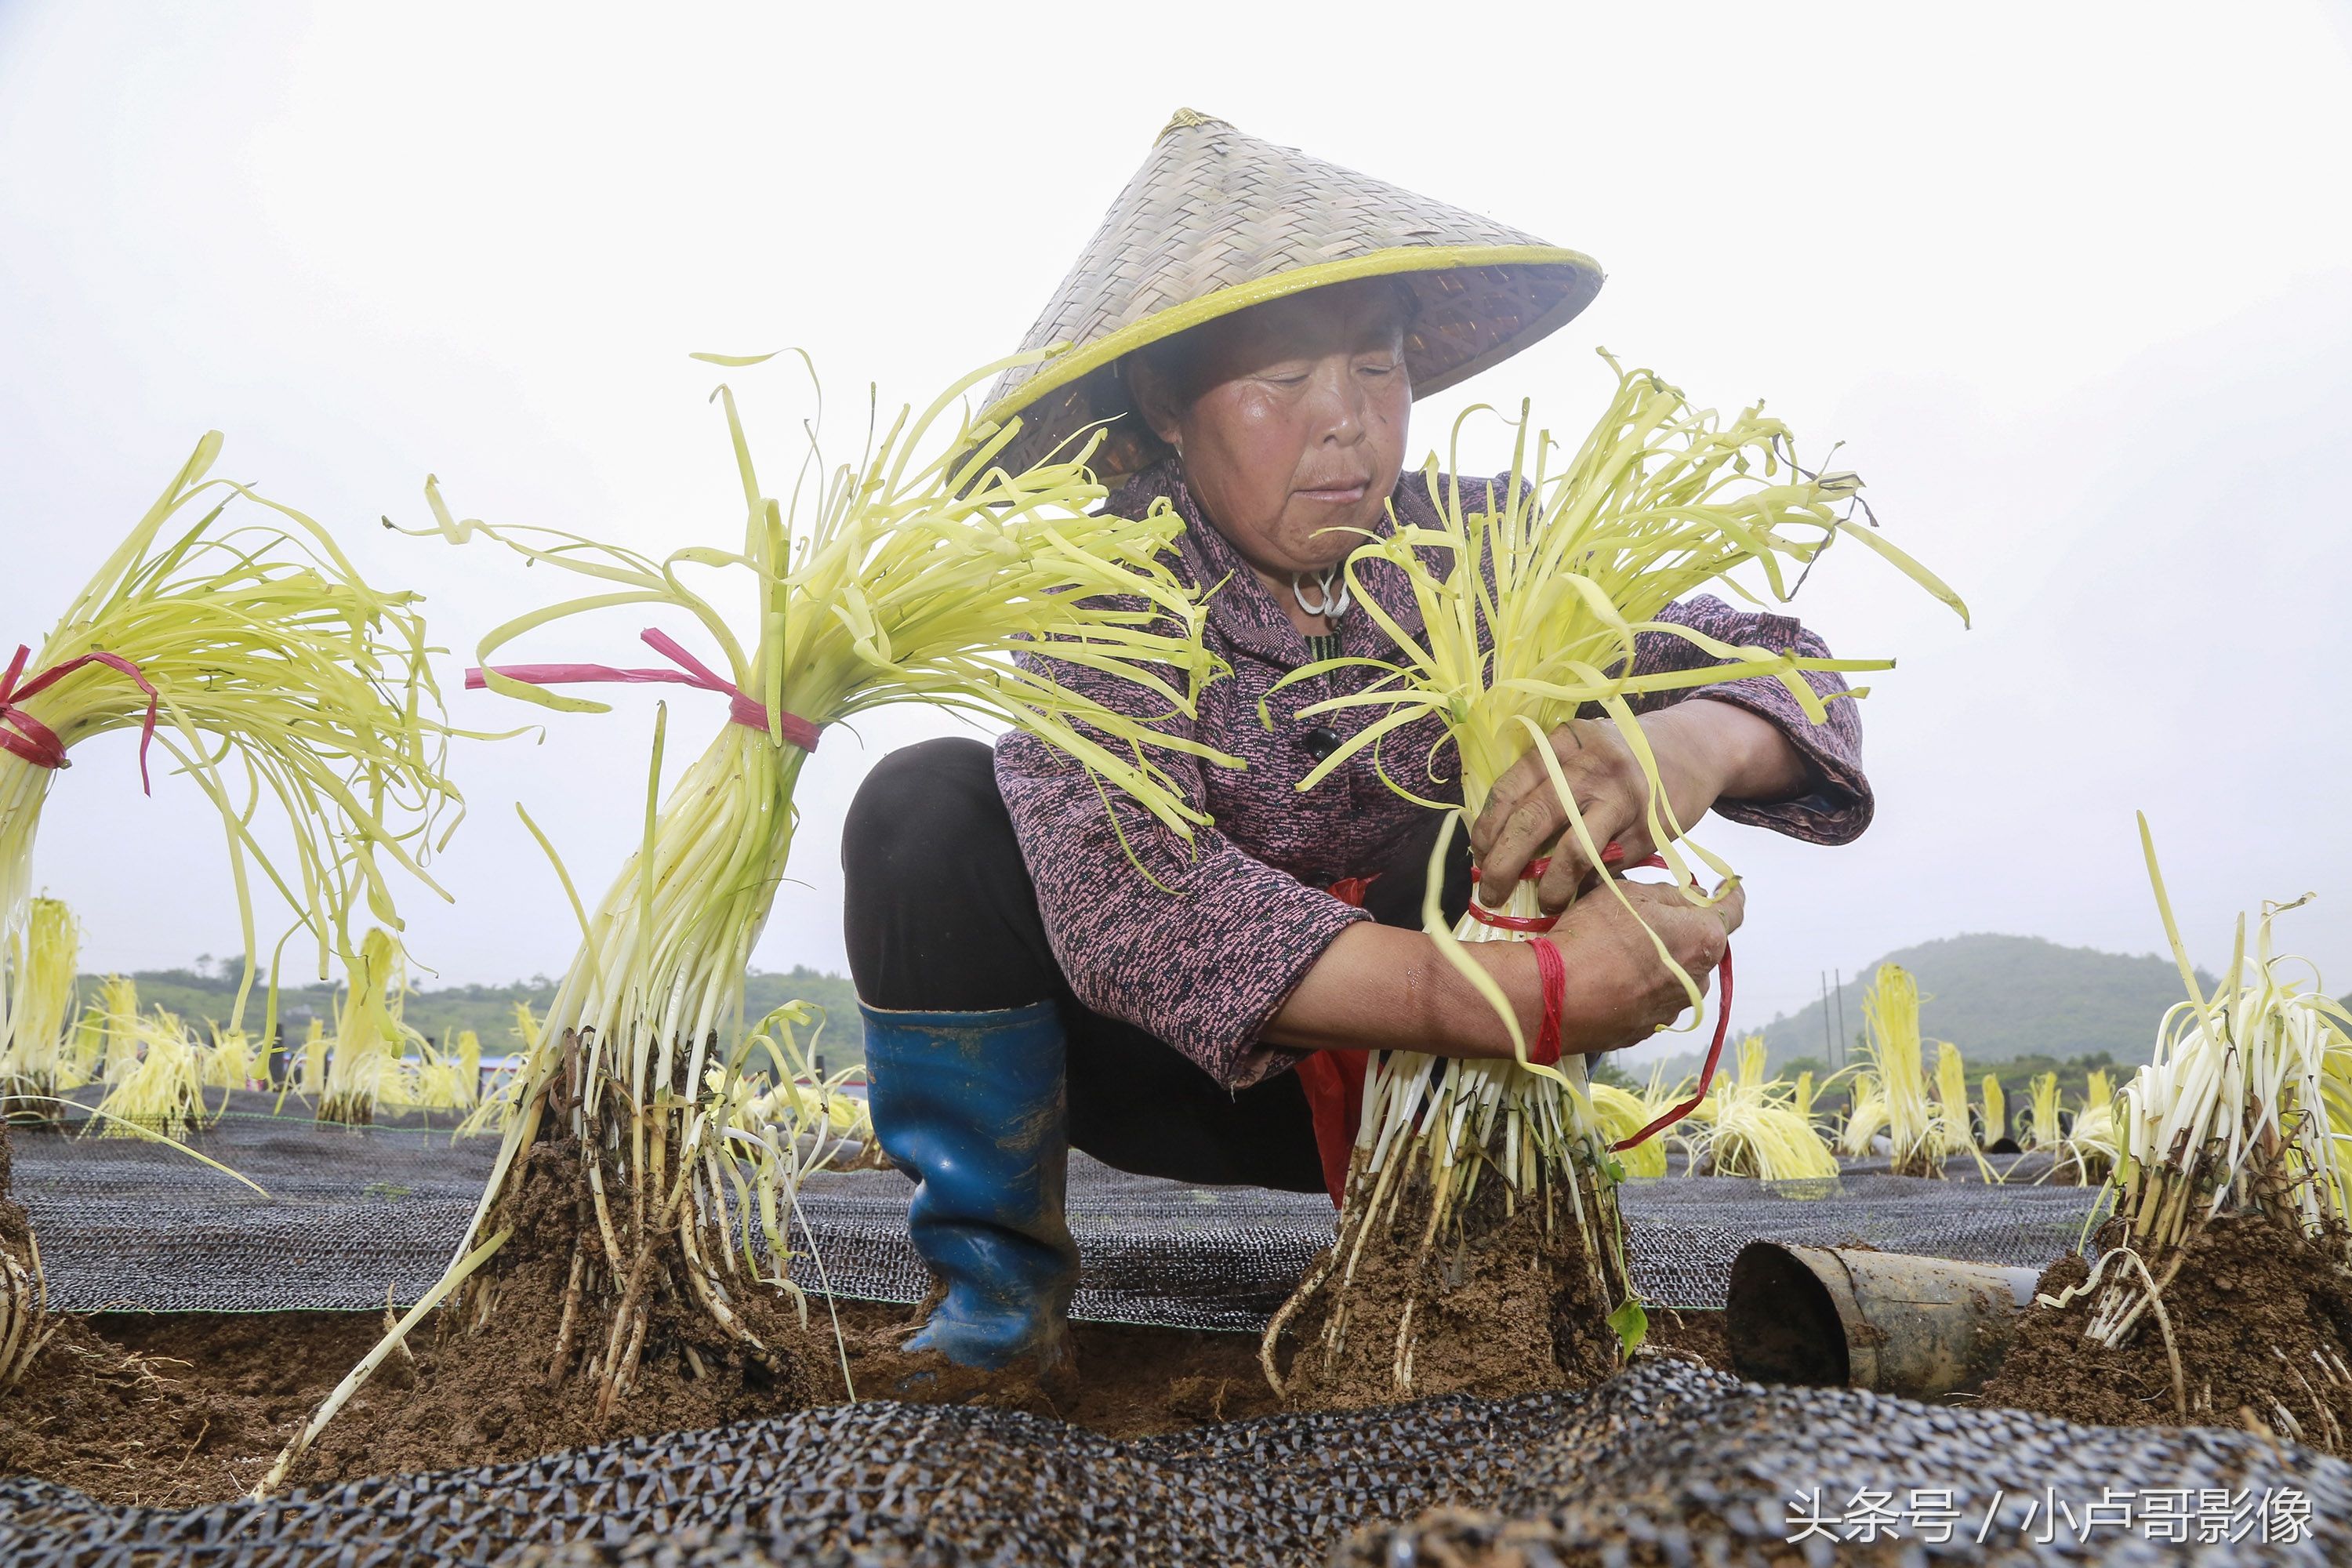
(1331, 599)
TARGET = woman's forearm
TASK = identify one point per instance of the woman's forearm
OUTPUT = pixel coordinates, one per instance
(1385, 988)
(1731, 753)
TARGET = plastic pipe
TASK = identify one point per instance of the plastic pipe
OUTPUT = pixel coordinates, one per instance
(1918, 1327)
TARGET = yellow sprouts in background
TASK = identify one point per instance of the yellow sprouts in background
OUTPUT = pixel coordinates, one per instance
(1865, 1118)
(1622, 1113)
(232, 1060)
(38, 1005)
(370, 1037)
(1749, 1125)
(311, 1078)
(1890, 1010)
(1996, 1110)
(1952, 1093)
(156, 1083)
(446, 1077)
(2043, 1128)
(2089, 1149)
(118, 1002)
(85, 1050)
(1921, 1132)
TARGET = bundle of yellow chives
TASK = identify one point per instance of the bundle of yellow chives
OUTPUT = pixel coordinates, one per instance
(249, 649)
(371, 1040)
(1531, 603)
(2233, 1117)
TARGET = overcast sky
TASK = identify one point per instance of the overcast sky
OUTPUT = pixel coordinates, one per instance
(2072, 282)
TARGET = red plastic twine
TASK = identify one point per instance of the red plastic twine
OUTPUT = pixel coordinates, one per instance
(691, 672)
(1612, 854)
(1706, 1074)
(24, 736)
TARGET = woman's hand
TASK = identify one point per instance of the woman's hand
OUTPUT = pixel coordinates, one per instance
(1619, 992)
(1704, 751)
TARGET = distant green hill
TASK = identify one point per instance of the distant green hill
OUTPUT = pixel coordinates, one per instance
(207, 994)
(2003, 998)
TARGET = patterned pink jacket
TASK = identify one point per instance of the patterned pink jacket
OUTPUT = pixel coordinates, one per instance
(1203, 961)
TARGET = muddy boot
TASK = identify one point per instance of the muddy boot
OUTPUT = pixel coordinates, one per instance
(971, 1106)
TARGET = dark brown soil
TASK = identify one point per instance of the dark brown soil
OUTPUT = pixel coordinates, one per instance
(1693, 1336)
(176, 1410)
(1498, 1307)
(14, 1230)
(166, 1410)
(2261, 1316)
(192, 1407)
(1132, 1381)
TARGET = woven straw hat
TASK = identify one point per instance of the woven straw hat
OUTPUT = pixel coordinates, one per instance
(1216, 221)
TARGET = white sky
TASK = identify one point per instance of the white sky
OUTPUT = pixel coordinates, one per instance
(2073, 281)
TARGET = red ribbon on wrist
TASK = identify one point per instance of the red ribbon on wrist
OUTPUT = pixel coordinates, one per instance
(691, 672)
(1545, 1052)
(25, 737)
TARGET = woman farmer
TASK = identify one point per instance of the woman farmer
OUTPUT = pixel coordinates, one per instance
(1254, 324)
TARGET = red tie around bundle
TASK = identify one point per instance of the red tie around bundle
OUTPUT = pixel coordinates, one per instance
(691, 672)
(21, 735)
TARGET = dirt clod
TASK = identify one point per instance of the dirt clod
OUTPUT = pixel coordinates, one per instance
(1500, 1305)
(2262, 1317)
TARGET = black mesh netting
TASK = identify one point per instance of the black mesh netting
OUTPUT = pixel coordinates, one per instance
(1667, 1465)
(127, 1224)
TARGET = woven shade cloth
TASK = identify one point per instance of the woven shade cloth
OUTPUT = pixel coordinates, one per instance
(1216, 221)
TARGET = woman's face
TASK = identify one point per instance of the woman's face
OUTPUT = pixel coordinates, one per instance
(1291, 421)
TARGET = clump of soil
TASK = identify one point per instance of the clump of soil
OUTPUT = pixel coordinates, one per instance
(2261, 1315)
(1694, 1336)
(507, 1385)
(1497, 1305)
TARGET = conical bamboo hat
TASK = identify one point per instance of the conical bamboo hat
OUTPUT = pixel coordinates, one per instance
(1216, 221)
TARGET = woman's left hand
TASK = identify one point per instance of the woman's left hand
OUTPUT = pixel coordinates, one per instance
(1704, 751)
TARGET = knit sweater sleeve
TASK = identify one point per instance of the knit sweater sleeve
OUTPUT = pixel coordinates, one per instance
(1839, 805)
(1197, 944)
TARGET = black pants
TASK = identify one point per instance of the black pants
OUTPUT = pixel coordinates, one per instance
(942, 917)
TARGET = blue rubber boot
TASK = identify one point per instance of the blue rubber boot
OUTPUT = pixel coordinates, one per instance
(971, 1105)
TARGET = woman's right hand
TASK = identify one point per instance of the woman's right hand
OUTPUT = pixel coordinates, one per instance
(1619, 991)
